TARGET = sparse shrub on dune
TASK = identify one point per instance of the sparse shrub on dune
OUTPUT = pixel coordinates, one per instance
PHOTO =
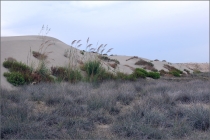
(175, 73)
(16, 66)
(162, 72)
(172, 69)
(143, 62)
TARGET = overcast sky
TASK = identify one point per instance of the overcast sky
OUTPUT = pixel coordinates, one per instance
(176, 31)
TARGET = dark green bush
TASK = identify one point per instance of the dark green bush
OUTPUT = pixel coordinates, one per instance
(6, 74)
(16, 66)
(7, 64)
(16, 78)
(175, 73)
(154, 75)
(140, 73)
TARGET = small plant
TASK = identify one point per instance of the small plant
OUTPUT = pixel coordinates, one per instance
(58, 71)
(162, 72)
(143, 62)
(122, 76)
(172, 70)
(7, 74)
(92, 67)
(156, 60)
(175, 73)
(15, 78)
(164, 61)
(16, 66)
(154, 75)
(38, 55)
(82, 52)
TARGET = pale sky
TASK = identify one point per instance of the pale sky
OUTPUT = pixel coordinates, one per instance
(176, 31)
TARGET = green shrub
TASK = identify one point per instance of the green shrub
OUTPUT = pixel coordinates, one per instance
(16, 78)
(121, 75)
(42, 69)
(7, 64)
(154, 75)
(131, 77)
(140, 73)
(175, 73)
(16, 66)
(74, 76)
(92, 67)
(142, 70)
(6, 74)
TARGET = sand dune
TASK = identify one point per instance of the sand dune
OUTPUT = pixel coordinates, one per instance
(19, 48)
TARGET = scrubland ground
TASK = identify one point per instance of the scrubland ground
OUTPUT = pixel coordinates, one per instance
(142, 109)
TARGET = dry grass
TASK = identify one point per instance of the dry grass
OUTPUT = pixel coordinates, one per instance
(143, 109)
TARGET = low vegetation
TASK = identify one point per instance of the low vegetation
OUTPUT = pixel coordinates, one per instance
(112, 109)
(38, 55)
(101, 104)
(174, 71)
(147, 65)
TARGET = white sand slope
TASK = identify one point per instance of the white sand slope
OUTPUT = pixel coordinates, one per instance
(19, 47)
